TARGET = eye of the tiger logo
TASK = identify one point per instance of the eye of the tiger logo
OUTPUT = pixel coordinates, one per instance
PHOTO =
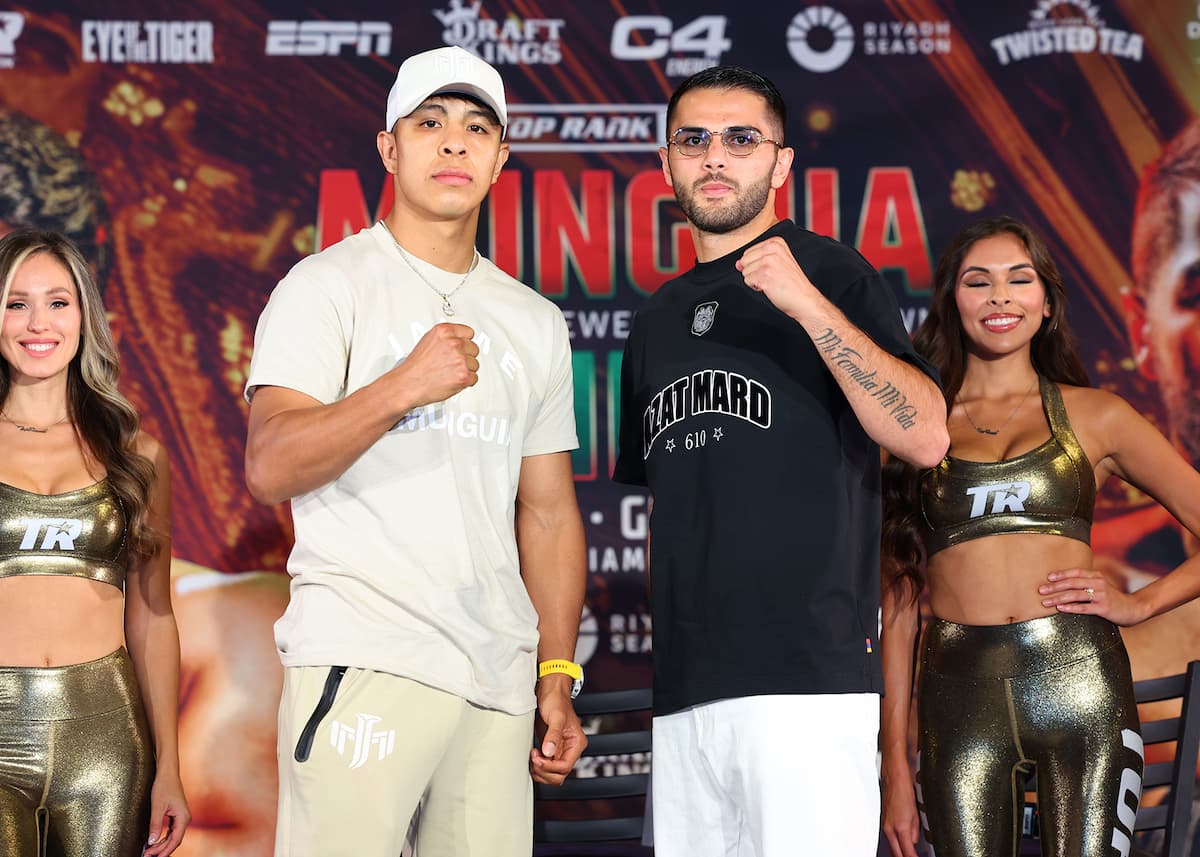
(704, 317)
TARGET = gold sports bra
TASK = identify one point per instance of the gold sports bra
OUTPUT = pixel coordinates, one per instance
(78, 534)
(1049, 490)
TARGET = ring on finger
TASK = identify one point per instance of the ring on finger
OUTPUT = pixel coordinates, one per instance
(1091, 593)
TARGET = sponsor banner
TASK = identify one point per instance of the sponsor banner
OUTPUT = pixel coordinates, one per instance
(146, 41)
(328, 38)
(1067, 27)
(822, 39)
(197, 166)
(586, 127)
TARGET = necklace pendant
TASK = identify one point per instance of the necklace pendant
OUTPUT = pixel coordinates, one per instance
(987, 430)
(446, 308)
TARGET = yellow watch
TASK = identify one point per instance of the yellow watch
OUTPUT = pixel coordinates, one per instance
(570, 668)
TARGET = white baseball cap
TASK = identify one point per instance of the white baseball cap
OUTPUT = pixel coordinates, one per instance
(450, 70)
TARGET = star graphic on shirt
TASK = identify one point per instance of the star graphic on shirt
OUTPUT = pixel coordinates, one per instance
(718, 433)
(670, 444)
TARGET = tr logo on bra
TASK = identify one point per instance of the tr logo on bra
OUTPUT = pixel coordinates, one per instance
(61, 533)
(1006, 497)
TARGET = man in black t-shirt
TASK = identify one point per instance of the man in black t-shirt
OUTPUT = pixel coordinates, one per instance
(756, 391)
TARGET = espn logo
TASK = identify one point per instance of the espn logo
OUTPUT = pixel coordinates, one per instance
(328, 38)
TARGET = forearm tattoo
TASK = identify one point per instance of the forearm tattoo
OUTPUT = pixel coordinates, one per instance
(842, 358)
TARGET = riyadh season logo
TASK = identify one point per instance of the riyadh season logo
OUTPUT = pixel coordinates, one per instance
(822, 39)
(11, 25)
(512, 41)
(1067, 27)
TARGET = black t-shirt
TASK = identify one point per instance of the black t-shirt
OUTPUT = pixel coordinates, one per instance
(765, 530)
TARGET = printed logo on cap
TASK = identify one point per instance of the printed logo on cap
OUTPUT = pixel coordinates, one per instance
(510, 41)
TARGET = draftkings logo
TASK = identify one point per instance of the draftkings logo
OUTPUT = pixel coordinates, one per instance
(11, 25)
(1067, 27)
(147, 41)
(328, 38)
(687, 48)
(511, 41)
(362, 740)
(822, 39)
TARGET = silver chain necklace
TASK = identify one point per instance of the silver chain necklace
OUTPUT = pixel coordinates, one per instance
(447, 309)
(38, 429)
(996, 430)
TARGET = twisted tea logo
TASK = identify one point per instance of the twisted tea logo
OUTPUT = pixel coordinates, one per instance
(705, 315)
(820, 21)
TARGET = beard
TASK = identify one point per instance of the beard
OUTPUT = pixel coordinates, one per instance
(746, 205)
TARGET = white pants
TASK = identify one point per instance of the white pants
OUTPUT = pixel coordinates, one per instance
(768, 776)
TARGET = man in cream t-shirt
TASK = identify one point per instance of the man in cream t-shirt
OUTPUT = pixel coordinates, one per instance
(415, 404)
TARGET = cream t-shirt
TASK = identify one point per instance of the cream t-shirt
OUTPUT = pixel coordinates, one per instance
(407, 562)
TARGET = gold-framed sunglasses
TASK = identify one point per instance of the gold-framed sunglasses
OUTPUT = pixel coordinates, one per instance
(740, 141)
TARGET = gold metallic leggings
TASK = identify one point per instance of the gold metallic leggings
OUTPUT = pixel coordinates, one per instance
(994, 702)
(76, 763)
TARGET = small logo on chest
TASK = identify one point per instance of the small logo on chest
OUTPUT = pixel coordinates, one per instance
(1006, 497)
(60, 533)
(705, 315)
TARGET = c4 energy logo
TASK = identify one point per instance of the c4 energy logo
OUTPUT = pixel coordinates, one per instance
(1066, 27)
(11, 25)
(511, 41)
(328, 38)
(709, 391)
(701, 41)
(60, 534)
(820, 39)
(363, 740)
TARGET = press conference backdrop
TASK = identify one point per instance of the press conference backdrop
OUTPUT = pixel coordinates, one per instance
(198, 152)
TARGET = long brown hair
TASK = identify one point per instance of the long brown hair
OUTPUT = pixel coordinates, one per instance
(105, 422)
(941, 340)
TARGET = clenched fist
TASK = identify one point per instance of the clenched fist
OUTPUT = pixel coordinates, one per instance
(443, 363)
(769, 267)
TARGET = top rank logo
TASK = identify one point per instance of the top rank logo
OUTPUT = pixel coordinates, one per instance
(328, 38)
(533, 41)
(11, 25)
(1067, 27)
(147, 41)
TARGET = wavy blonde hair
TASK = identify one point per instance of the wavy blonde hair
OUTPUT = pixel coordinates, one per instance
(105, 422)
